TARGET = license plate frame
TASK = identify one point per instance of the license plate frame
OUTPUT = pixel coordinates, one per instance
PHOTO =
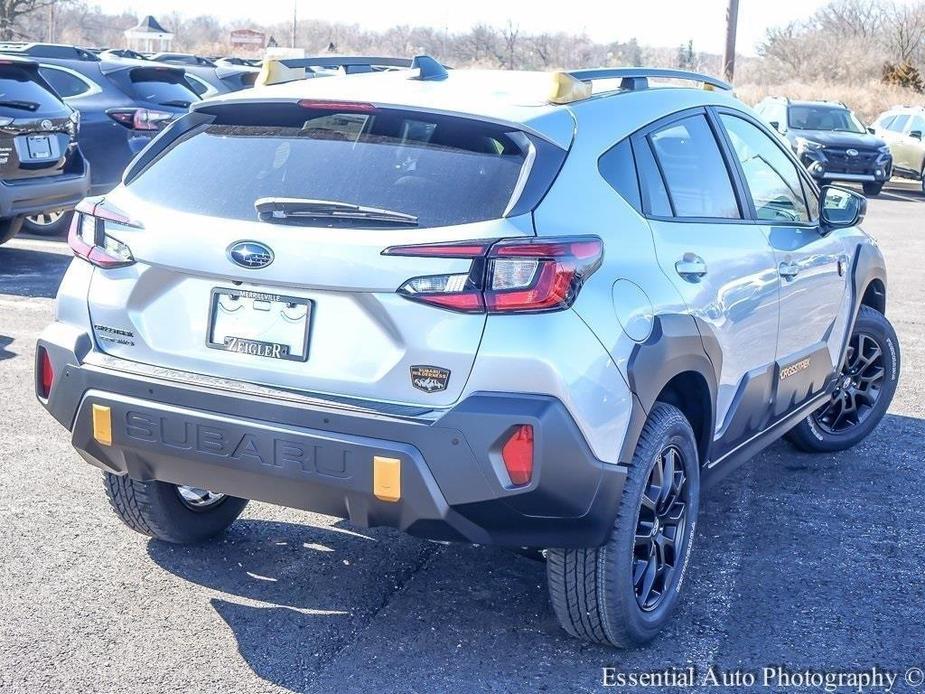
(252, 346)
(39, 147)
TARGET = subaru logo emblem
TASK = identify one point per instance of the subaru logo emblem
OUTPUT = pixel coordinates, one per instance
(250, 254)
(46, 125)
(851, 152)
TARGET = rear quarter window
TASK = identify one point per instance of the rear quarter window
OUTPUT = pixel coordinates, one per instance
(65, 84)
(618, 167)
(440, 169)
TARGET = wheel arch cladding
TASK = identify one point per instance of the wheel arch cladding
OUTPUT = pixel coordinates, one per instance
(875, 295)
(672, 366)
(867, 286)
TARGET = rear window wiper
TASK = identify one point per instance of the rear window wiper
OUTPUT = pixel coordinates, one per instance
(177, 102)
(295, 209)
(17, 103)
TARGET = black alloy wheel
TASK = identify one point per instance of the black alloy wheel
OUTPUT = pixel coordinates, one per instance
(660, 536)
(859, 387)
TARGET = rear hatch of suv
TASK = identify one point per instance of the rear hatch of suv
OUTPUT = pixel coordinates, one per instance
(258, 246)
(159, 93)
(37, 130)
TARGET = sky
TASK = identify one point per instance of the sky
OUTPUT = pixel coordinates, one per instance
(653, 23)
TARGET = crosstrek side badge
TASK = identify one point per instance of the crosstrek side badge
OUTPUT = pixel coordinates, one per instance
(430, 379)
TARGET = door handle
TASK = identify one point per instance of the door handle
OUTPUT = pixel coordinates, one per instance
(788, 270)
(691, 267)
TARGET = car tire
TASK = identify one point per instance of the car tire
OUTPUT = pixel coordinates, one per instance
(872, 189)
(600, 594)
(863, 397)
(9, 228)
(52, 224)
(159, 510)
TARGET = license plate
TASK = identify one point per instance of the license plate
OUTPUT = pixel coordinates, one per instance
(259, 324)
(39, 146)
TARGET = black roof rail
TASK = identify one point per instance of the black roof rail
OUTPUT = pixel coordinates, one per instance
(47, 50)
(636, 78)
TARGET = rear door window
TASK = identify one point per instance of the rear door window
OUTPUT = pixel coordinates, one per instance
(694, 170)
(440, 169)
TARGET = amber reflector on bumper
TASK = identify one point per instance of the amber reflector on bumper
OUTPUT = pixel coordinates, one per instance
(387, 478)
(102, 424)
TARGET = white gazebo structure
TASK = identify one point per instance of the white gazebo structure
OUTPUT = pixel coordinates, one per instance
(148, 36)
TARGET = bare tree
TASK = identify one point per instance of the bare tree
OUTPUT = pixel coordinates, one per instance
(509, 35)
(13, 11)
(904, 33)
(854, 18)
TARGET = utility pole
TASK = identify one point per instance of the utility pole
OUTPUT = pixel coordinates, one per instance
(295, 7)
(729, 58)
(51, 22)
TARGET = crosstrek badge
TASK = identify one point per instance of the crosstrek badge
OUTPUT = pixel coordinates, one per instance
(430, 379)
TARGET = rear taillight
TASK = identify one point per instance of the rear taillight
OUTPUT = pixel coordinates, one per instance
(517, 454)
(140, 118)
(509, 276)
(46, 373)
(88, 236)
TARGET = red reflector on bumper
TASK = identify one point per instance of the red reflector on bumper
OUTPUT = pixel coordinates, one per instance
(46, 373)
(517, 454)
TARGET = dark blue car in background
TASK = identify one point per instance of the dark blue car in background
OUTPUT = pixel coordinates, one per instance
(123, 104)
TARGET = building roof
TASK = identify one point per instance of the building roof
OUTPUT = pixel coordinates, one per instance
(149, 25)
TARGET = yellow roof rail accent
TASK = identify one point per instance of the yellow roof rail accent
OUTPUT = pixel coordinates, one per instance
(565, 89)
(274, 72)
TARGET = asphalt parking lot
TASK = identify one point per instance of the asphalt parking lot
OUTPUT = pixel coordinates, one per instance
(805, 561)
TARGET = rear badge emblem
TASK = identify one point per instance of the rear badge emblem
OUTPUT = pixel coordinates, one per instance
(250, 254)
(430, 379)
(47, 125)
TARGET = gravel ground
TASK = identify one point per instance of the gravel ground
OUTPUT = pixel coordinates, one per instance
(812, 562)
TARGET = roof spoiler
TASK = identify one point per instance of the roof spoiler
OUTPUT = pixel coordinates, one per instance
(278, 70)
(575, 85)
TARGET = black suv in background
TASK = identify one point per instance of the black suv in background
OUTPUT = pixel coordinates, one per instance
(123, 104)
(41, 167)
(830, 141)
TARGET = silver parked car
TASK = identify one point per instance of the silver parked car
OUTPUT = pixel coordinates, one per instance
(497, 307)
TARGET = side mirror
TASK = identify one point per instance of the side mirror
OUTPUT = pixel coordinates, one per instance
(776, 125)
(872, 131)
(915, 134)
(840, 208)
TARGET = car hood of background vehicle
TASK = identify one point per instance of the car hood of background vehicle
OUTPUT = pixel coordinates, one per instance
(835, 138)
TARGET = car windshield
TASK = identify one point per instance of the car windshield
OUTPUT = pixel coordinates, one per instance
(824, 118)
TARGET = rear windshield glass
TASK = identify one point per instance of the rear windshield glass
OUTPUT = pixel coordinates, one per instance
(20, 95)
(440, 170)
(160, 87)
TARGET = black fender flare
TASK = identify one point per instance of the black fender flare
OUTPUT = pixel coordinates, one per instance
(675, 346)
(867, 266)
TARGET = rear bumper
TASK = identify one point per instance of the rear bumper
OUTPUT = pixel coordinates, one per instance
(319, 457)
(31, 196)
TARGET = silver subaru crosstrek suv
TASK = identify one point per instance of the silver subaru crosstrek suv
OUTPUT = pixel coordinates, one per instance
(532, 310)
